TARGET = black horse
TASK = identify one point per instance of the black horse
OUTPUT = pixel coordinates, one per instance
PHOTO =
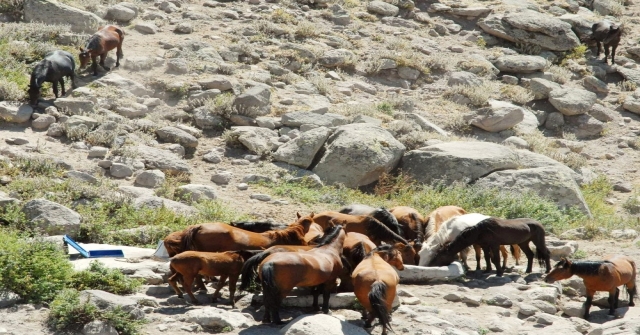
(53, 68)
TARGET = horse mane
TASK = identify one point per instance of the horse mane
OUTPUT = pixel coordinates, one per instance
(92, 43)
(383, 249)
(377, 229)
(358, 253)
(588, 268)
(188, 237)
(292, 234)
(383, 215)
(330, 234)
(416, 219)
(258, 225)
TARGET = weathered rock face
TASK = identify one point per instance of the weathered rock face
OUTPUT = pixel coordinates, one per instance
(163, 160)
(53, 12)
(98, 327)
(256, 101)
(54, 218)
(382, 8)
(303, 149)
(15, 113)
(216, 317)
(158, 202)
(176, 135)
(320, 324)
(542, 87)
(531, 27)
(256, 139)
(520, 63)
(196, 192)
(570, 101)
(357, 154)
(498, 117)
(297, 119)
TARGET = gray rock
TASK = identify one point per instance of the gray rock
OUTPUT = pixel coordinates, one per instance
(624, 234)
(255, 139)
(575, 309)
(520, 63)
(516, 142)
(115, 80)
(53, 12)
(357, 154)
(499, 300)
(587, 126)
(83, 176)
(260, 197)
(53, 218)
(218, 82)
(595, 84)
(338, 57)
(463, 78)
(184, 28)
(297, 119)
(527, 310)
(531, 27)
(542, 87)
(177, 66)
(320, 324)
(164, 160)
(106, 301)
(382, 8)
(196, 192)
(150, 179)
(548, 294)
(119, 170)
(212, 157)
(10, 112)
(498, 117)
(75, 106)
(256, 101)
(8, 299)
(216, 317)
(554, 121)
(571, 101)
(158, 202)
(602, 113)
(604, 7)
(302, 150)
(120, 13)
(146, 28)
(98, 327)
(204, 119)
(176, 135)
(42, 122)
(631, 105)
(222, 178)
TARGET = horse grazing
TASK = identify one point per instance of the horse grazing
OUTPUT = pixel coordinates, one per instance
(412, 222)
(258, 226)
(446, 233)
(53, 68)
(381, 214)
(604, 275)
(319, 268)
(492, 232)
(607, 33)
(189, 264)
(99, 44)
(375, 281)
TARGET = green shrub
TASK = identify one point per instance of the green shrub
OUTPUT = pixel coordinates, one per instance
(122, 321)
(67, 312)
(99, 277)
(35, 270)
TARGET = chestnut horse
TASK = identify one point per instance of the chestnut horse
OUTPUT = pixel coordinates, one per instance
(189, 264)
(604, 275)
(490, 234)
(99, 44)
(375, 281)
(412, 222)
(258, 226)
(248, 271)
(356, 247)
(381, 214)
(446, 233)
(218, 236)
(319, 268)
(362, 224)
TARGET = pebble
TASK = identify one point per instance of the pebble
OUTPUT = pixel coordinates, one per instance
(261, 197)
(240, 162)
(242, 186)
(16, 141)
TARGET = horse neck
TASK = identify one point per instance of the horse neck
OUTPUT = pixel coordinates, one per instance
(93, 43)
(586, 268)
(291, 234)
(39, 74)
(335, 245)
(463, 241)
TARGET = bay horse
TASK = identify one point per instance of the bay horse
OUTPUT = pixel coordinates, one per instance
(258, 226)
(490, 234)
(412, 222)
(608, 34)
(99, 44)
(604, 275)
(375, 281)
(248, 271)
(381, 214)
(319, 268)
(189, 264)
(446, 233)
(356, 246)
(53, 68)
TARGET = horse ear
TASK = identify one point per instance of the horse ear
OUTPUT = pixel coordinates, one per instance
(81, 49)
(298, 214)
(311, 215)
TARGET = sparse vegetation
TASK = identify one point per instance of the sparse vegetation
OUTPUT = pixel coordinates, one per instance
(627, 86)
(560, 74)
(478, 95)
(99, 277)
(576, 54)
(516, 94)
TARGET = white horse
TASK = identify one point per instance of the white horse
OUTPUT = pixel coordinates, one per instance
(447, 232)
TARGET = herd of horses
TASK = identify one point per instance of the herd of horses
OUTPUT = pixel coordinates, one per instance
(359, 249)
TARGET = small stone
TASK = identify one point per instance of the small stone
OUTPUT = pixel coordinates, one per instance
(261, 197)
(242, 186)
(119, 170)
(16, 141)
(624, 187)
(212, 157)
(98, 152)
(223, 177)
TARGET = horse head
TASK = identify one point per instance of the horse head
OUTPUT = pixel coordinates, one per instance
(562, 270)
(407, 251)
(442, 257)
(84, 56)
(391, 255)
(34, 93)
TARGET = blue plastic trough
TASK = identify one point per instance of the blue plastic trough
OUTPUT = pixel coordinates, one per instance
(92, 253)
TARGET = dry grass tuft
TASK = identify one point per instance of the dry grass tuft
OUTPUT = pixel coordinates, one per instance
(479, 95)
(516, 94)
(560, 74)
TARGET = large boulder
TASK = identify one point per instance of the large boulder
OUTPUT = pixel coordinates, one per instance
(115, 80)
(219, 318)
(176, 135)
(196, 192)
(337, 57)
(163, 160)
(382, 8)
(542, 87)
(531, 28)
(572, 101)
(255, 102)
(497, 117)
(548, 182)
(303, 149)
(320, 324)
(106, 301)
(357, 154)
(15, 113)
(256, 139)
(296, 119)
(520, 63)
(52, 217)
(53, 12)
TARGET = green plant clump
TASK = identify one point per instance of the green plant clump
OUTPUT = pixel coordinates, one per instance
(99, 277)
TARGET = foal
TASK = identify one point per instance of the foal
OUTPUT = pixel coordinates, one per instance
(604, 275)
(375, 281)
(99, 44)
(607, 33)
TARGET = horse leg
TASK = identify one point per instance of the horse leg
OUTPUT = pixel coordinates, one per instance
(615, 303)
(316, 293)
(94, 65)
(55, 89)
(463, 258)
(487, 258)
(64, 92)
(325, 298)
(119, 54)
(174, 285)
(529, 253)
(233, 280)
(223, 278)
(72, 77)
(275, 311)
(200, 283)
(599, 49)
(188, 286)
(478, 251)
(495, 258)
(587, 304)
(606, 53)
(516, 253)
(505, 255)
(631, 290)
(613, 53)
(369, 322)
(612, 301)
(102, 58)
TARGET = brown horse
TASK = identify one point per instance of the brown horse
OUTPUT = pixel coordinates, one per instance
(412, 222)
(319, 268)
(375, 281)
(604, 275)
(381, 214)
(258, 226)
(218, 236)
(490, 234)
(99, 44)
(249, 273)
(356, 247)
(189, 264)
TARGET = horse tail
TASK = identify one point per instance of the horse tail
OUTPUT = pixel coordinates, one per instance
(633, 291)
(121, 35)
(378, 230)
(189, 236)
(377, 298)
(383, 215)
(542, 252)
(249, 272)
(346, 265)
(358, 253)
(270, 290)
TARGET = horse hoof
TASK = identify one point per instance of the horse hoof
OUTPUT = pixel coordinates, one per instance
(631, 304)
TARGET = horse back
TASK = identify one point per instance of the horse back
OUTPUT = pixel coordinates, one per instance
(624, 266)
(55, 65)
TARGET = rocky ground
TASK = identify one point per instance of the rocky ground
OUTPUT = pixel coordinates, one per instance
(224, 94)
